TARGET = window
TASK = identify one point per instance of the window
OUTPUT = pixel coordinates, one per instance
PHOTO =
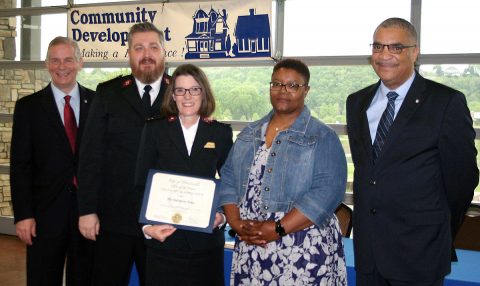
(32, 35)
(450, 27)
(332, 37)
(40, 3)
(330, 28)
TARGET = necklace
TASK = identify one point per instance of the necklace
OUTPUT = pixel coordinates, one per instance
(280, 128)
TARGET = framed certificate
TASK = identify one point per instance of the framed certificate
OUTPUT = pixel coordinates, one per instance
(183, 201)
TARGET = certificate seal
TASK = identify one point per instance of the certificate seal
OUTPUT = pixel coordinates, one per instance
(177, 218)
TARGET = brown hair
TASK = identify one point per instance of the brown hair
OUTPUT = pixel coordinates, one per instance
(169, 107)
(142, 28)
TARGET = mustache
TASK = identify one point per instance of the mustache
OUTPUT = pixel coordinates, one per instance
(147, 61)
(385, 63)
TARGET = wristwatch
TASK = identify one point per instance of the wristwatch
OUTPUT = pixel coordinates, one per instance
(279, 229)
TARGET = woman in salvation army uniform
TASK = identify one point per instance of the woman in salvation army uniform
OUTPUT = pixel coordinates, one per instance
(184, 141)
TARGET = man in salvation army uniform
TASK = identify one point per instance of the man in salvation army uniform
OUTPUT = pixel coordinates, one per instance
(107, 201)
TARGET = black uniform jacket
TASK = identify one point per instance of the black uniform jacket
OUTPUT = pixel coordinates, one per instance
(163, 148)
(109, 152)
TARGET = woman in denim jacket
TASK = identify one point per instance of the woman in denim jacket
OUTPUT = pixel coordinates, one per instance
(281, 184)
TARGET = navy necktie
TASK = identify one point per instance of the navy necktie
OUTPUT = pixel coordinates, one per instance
(384, 125)
(146, 97)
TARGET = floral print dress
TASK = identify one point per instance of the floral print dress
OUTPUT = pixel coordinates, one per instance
(313, 256)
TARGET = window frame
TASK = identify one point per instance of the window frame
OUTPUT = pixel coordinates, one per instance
(277, 41)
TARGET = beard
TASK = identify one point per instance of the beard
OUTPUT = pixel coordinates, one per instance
(147, 75)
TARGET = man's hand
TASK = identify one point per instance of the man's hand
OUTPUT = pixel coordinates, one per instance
(89, 226)
(26, 229)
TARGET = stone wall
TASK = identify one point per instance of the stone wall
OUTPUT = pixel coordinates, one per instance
(14, 84)
(7, 32)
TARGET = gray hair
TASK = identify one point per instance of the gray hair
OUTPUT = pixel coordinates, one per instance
(402, 24)
(65, 41)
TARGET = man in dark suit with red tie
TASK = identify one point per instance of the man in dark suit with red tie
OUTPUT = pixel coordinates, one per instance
(46, 135)
(108, 202)
(412, 144)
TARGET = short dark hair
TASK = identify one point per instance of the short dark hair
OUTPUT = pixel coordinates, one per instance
(402, 24)
(296, 65)
(145, 27)
(65, 41)
(169, 107)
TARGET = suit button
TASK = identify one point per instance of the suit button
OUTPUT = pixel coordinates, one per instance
(269, 170)
(373, 182)
(267, 189)
(373, 211)
(278, 142)
(273, 154)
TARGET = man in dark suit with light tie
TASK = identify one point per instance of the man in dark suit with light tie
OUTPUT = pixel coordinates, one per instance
(107, 200)
(412, 145)
(44, 154)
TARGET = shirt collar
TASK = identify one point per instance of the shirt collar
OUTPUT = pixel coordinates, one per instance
(59, 94)
(401, 90)
(155, 86)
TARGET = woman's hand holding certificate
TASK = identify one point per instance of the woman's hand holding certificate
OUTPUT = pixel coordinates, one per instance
(183, 201)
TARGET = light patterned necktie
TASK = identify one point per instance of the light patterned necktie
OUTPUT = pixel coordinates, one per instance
(384, 125)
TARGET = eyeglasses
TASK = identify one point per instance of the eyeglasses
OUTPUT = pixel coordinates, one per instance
(289, 87)
(194, 91)
(394, 48)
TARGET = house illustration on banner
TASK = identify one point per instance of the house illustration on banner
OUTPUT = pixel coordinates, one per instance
(210, 38)
(253, 36)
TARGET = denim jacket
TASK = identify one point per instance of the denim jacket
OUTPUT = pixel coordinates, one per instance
(306, 169)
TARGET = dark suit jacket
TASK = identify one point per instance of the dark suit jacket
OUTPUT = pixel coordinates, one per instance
(408, 205)
(109, 152)
(42, 162)
(163, 148)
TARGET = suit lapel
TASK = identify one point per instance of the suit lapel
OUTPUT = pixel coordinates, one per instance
(131, 95)
(163, 87)
(52, 113)
(176, 135)
(415, 96)
(364, 130)
(201, 138)
(85, 100)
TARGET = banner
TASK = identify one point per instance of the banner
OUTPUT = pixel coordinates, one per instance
(218, 30)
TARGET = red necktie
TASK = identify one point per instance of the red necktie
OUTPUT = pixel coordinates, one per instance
(70, 123)
(70, 127)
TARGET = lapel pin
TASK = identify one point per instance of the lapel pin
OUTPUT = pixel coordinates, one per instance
(85, 101)
(209, 145)
(417, 100)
